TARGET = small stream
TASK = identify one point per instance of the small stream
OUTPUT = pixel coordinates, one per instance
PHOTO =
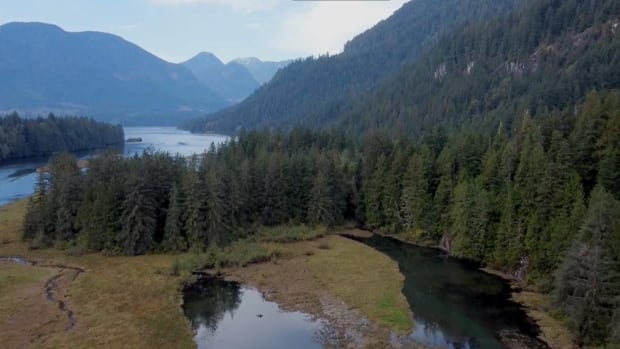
(51, 285)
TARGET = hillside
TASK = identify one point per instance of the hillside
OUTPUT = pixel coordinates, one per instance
(46, 69)
(420, 69)
(313, 91)
(232, 81)
(545, 56)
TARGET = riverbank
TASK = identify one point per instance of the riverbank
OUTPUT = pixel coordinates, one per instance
(536, 305)
(134, 302)
(324, 278)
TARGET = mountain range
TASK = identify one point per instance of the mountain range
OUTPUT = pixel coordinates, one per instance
(231, 81)
(46, 69)
(262, 71)
(448, 64)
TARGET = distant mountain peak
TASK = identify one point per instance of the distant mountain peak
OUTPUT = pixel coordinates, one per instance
(205, 57)
(262, 71)
(233, 82)
(246, 60)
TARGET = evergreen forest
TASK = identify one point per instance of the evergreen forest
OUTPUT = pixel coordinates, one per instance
(539, 198)
(41, 137)
(453, 64)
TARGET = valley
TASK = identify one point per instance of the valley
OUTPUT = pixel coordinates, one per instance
(433, 174)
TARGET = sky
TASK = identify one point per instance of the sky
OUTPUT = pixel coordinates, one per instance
(176, 30)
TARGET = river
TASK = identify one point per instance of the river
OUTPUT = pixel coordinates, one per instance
(17, 179)
(454, 306)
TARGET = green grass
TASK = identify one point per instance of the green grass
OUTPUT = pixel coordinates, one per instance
(348, 267)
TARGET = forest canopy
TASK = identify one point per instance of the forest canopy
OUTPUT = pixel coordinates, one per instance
(22, 138)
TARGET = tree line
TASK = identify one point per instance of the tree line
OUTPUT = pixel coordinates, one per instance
(41, 137)
(540, 197)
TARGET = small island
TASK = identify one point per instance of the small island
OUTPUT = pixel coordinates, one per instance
(134, 140)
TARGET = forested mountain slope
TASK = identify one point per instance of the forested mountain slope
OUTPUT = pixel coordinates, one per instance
(46, 69)
(545, 56)
(314, 90)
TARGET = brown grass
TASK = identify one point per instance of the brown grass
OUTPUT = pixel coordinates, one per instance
(14, 278)
(128, 302)
(119, 302)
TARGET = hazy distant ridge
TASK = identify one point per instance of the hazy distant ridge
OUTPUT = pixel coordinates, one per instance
(46, 69)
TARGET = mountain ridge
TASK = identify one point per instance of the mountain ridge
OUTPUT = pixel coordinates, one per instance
(313, 91)
(262, 71)
(231, 81)
(46, 68)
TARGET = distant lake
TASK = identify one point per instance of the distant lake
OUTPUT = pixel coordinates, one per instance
(17, 179)
(170, 139)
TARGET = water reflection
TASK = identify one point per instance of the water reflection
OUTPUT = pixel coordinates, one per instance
(455, 305)
(226, 315)
(208, 301)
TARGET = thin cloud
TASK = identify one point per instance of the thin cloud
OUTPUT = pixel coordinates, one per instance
(125, 27)
(324, 27)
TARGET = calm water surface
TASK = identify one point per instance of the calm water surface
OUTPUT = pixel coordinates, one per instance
(17, 179)
(455, 305)
(171, 140)
(226, 315)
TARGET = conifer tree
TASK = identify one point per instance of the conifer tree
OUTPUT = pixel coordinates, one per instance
(174, 239)
(588, 283)
(416, 201)
(139, 220)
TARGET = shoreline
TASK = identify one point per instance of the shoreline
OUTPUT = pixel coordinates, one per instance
(535, 305)
(299, 282)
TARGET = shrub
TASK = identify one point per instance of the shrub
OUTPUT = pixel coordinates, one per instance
(286, 234)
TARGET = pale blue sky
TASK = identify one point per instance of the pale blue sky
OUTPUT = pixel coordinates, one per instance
(178, 29)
